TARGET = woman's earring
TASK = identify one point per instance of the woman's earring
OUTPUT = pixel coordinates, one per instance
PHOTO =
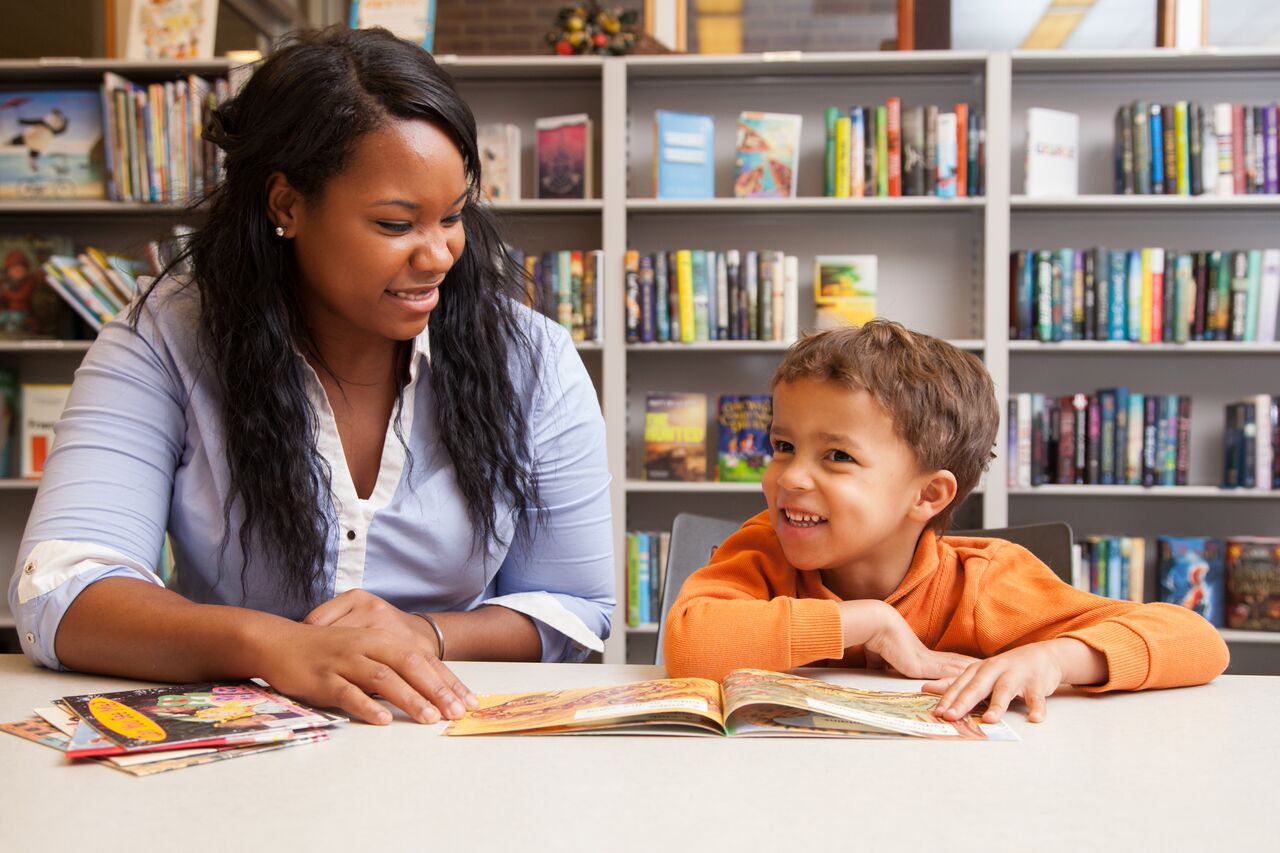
(279, 230)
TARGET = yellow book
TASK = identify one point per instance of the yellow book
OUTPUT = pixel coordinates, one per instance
(1144, 334)
(842, 156)
(1180, 142)
(684, 287)
(1137, 568)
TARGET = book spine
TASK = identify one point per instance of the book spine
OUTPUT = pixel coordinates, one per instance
(930, 150)
(893, 146)
(1157, 149)
(684, 283)
(857, 153)
(751, 275)
(661, 298)
(631, 264)
(842, 180)
(713, 295)
(1150, 424)
(830, 116)
(647, 285)
(1182, 153)
(1195, 146)
(1239, 153)
(1170, 150)
(962, 149)
(1141, 148)
(722, 297)
(701, 295)
(673, 295)
(765, 298)
(882, 151)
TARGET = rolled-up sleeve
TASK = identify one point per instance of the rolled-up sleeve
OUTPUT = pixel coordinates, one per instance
(103, 502)
(569, 557)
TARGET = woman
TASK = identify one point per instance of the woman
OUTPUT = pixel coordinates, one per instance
(328, 464)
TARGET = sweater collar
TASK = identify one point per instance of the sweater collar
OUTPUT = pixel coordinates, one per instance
(923, 564)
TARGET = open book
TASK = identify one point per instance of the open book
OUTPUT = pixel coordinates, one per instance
(749, 702)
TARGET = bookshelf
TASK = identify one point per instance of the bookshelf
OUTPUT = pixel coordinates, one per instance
(943, 262)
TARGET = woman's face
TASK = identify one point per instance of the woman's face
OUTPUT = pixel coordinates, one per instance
(374, 248)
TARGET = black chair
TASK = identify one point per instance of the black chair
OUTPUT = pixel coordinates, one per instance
(694, 538)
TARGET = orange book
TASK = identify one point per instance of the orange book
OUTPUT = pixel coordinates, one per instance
(893, 107)
(962, 148)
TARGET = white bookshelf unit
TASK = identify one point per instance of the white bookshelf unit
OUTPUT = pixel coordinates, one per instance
(943, 263)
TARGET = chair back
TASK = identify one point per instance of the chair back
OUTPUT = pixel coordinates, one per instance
(694, 538)
(1051, 542)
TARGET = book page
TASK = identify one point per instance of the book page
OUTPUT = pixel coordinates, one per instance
(682, 701)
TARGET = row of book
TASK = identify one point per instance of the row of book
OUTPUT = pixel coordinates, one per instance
(1111, 437)
(1233, 582)
(1251, 444)
(30, 411)
(692, 295)
(1150, 295)
(886, 150)
(97, 286)
(563, 158)
(675, 436)
(646, 570)
(152, 138)
(1187, 148)
(565, 286)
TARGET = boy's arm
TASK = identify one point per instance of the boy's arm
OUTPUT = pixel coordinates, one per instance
(1021, 601)
(736, 612)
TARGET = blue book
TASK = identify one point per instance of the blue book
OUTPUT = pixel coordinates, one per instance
(1192, 575)
(1066, 329)
(684, 155)
(1133, 316)
(643, 569)
(701, 296)
(1118, 290)
(1157, 150)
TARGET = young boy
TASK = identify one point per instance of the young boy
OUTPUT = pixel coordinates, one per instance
(879, 434)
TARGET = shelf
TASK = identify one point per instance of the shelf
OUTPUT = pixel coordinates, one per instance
(904, 204)
(967, 344)
(652, 628)
(1161, 349)
(588, 346)
(1122, 203)
(1158, 60)
(44, 346)
(95, 206)
(521, 68)
(1145, 492)
(793, 63)
(17, 484)
(23, 71)
(548, 205)
(690, 488)
(1246, 637)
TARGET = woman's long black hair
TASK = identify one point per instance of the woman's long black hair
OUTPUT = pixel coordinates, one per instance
(301, 114)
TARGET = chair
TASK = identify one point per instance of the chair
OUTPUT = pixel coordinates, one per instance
(694, 538)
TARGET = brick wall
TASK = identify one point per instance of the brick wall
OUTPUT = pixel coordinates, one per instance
(478, 27)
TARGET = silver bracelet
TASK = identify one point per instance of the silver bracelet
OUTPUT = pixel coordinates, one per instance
(439, 634)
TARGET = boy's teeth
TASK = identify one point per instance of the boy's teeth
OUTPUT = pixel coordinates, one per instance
(804, 518)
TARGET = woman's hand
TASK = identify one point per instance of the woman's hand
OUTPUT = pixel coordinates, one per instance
(344, 665)
(887, 640)
(356, 608)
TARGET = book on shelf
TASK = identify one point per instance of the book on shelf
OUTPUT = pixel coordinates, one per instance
(29, 306)
(499, 146)
(40, 407)
(1149, 295)
(152, 730)
(767, 155)
(844, 290)
(412, 20)
(9, 391)
(96, 286)
(1053, 150)
(684, 155)
(51, 145)
(675, 436)
(171, 29)
(743, 449)
(1253, 583)
(565, 286)
(646, 572)
(564, 156)
(1112, 566)
(1192, 575)
(748, 703)
(1251, 444)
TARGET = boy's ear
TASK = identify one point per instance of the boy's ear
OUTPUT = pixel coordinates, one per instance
(936, 494)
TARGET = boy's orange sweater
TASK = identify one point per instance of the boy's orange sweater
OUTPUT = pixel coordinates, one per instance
(978, 597)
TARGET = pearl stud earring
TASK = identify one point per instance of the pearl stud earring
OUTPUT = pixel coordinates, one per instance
(279, 230)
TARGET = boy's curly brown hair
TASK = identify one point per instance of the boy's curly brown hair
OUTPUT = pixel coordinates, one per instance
(941, 400)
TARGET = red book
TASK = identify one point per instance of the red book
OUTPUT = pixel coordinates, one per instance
(893, 107)
(962, 149)
(1238, 149)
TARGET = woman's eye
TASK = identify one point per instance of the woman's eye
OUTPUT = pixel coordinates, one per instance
(453, 220)
(396, 227)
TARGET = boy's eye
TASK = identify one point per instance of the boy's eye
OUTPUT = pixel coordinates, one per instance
(841, 456)
(395, 227)
(780, 446)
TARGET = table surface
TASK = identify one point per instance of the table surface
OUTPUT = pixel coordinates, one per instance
(1190, 769)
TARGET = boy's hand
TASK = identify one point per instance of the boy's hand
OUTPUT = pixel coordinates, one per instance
(1033, 672)
(888, 640)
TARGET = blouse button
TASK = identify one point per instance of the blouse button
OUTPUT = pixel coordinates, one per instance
(28, 568)
(351, 535)
(31, 638)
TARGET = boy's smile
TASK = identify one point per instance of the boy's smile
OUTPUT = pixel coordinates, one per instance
(845, 493)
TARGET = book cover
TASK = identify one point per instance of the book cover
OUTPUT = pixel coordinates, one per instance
(9, 390)
(1192, 575)
(51, 145)
(684, 155)
(175, 29)
(412, 20)
(186, 715)
(768, 154)
(844, 290)
(499, 146)
(1253, 584)
(41, 406)
(675, 436)
(29, 307)
(564, 159)
(749, 702)
(1053, 141)
(743, 449)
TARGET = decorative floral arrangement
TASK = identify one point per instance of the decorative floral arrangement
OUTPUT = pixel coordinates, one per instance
(590, 29)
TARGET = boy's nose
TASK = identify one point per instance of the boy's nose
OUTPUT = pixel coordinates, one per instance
(795, 477)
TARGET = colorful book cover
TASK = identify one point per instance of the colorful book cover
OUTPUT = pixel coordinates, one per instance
(29, 307)
(187, 715)
(1253, 584)
(51, 145)
(743, 450)
(412, 20)
(499, 146)
(41, 407)
(768, 155)
(1192, 575)
(564, 157)
(175, 29)
(684, 155)
(844, 290)
(675, 436)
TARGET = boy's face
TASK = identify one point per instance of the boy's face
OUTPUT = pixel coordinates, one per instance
(843, 488)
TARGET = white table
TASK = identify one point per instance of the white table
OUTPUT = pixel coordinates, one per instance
(1191, 769)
